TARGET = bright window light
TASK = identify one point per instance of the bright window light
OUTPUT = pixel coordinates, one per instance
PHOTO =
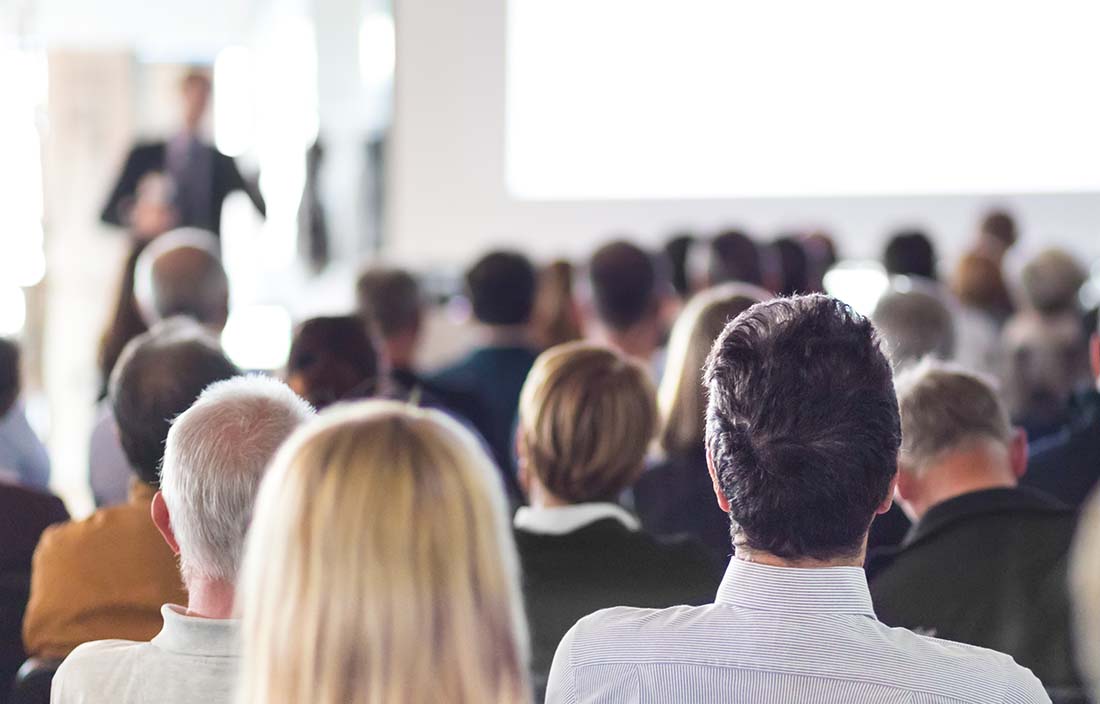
(257, 337)
(377, 48)
(860, 284)
(726, 98)
(234, 101)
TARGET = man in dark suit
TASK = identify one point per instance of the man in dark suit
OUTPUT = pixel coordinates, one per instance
(24, 514)
(200, 176)
(985, 562)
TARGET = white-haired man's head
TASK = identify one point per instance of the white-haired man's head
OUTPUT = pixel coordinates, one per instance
(214, 459)
(180, 273)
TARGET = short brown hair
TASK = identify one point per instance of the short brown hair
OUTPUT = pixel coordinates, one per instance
(586, 417)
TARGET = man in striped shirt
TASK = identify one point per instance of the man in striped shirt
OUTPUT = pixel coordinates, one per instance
(802, 441)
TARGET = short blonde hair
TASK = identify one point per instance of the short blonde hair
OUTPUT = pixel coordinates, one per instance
(682, 399)
(586, 417)
(381, 568)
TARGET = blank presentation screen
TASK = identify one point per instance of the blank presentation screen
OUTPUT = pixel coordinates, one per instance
(673, 99)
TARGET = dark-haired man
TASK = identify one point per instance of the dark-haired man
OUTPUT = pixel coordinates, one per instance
(501, 288)
(108, 575)
(802, 440)
(627, 292)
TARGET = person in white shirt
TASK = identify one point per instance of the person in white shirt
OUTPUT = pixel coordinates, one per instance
(215, 456)
(802, 441)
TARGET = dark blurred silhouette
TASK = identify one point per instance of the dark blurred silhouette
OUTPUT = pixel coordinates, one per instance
(910, 253)
(556, 319)
(628, 290)
(997, 234)
(332, 359)
(794, 266)
(678, 254)
(735, 257)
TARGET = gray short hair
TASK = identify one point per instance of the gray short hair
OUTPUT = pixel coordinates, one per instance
(1051, 281)
(180, 273)
(216, 454)
(944, 407)
(914, 324)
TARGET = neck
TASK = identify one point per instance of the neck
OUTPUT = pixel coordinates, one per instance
(960, 473)
(507, 336)
(210, 598)
(760, 557)
(639, 341)
(539, 496)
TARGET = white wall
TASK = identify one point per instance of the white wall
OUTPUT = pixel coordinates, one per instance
(447, 197)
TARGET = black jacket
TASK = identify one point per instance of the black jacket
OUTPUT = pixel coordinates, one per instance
(986, 568)
(1066, 465)
(601, 565)
(150, 157)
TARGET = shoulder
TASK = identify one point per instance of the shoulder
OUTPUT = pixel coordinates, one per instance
(627, 634)
(89, 663)
(78, 535)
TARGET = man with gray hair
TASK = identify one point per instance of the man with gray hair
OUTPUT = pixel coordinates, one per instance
(914, 323)
(215, 456)
(985, 562)
(180, 273)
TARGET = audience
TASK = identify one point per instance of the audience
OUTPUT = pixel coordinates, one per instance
(678, 254)
(627, 294)
(997, 234)
(910, 253)
(803, 434)
(1045, 362)
(985, 562)
(979, 284)
(332, 359)
(215, 456)
(1051, 281)
(379, 568)
(914, 322)
(126, 321)
(23, 458)
(793, 266)
(587, 415)
(1085, 593)
(501, 287)
(676, 495)
(556, 319)
(108, 575)
(734, 257)
(1067, 464)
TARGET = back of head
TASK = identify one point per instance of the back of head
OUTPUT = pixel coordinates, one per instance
(389, 300)
(180, 274)
(802, 427)
(1051, 282)
(910, 253)
(677, 252)
(914, 324)
(158, 377)
(380, 567)
(501, 286)
(586, 417)
(681, 397)
(977, 281)
(946, 408)
(735, 257)
(555, 320)
(794, 266)
(215, 456)
(1085, 592)
(625, 285)
(331, 359)
(10, 382)
(999, 228)
(1045, 360)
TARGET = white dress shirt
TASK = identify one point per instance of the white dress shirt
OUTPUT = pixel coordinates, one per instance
(192, 660)
(776, 636)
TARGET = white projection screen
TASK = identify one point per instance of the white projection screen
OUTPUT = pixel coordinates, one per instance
(552, 125)
(735, 98)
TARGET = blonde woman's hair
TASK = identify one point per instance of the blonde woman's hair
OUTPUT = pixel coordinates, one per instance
(586, 417)
(380, 568)
(682, 398)
(1084, 581)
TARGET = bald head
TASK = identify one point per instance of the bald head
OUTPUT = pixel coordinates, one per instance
(181, 274)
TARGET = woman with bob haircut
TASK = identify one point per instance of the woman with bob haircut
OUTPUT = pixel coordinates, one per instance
(380, 568)
(676, 496)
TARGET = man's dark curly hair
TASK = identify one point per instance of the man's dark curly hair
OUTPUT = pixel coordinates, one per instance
(802, 426)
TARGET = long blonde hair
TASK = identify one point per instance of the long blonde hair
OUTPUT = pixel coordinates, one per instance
(380, 568)
(680, 398)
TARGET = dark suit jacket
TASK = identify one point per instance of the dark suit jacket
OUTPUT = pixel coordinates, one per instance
(987, 568)
(1066, 465)
(600, 565)
(24, 514)
(676, 496)
(150, 157)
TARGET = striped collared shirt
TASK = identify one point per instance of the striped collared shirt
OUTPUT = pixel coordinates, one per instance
(776, 636)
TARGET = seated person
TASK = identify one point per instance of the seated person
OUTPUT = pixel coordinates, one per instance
(108, 575)
(501, 287)
(802, 443)
(587, 416)
(628, 291)
(380, 569)
(24, 514)
(985, 562)
(23, 458)
(332, 359)
(215, 456)
(676, 494)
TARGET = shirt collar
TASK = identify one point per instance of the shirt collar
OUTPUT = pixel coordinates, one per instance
(841, 590)
(559, 520)
(192, 635)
